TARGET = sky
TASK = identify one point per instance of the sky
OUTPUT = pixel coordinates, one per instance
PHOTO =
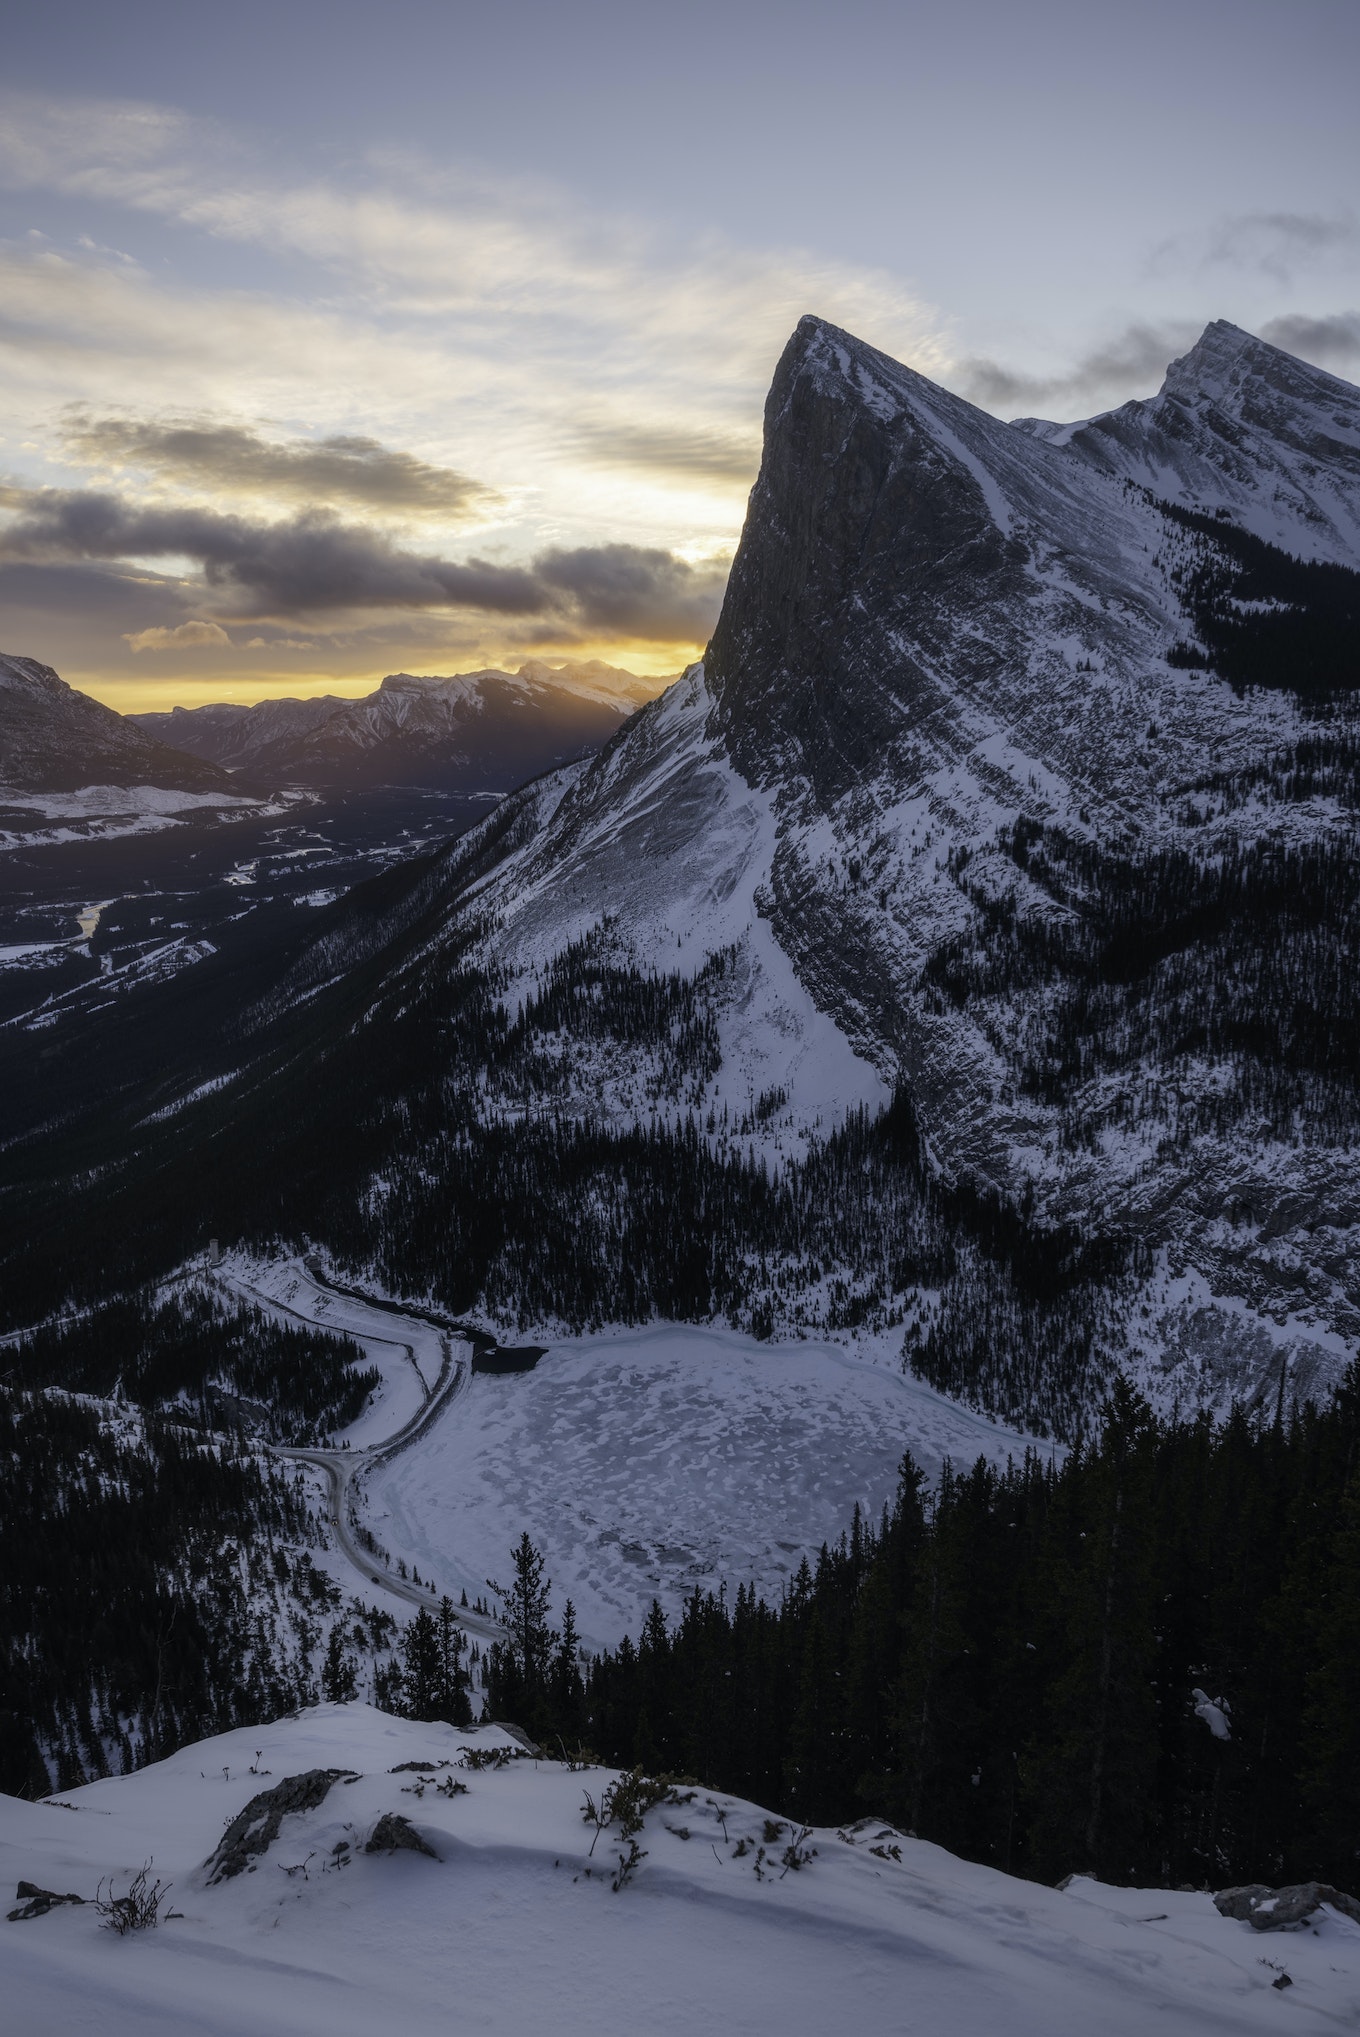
(338, 339)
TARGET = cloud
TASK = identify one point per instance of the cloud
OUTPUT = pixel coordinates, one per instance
(301, 564)
(630, 591)
(232, 459)
(312, 563)
(191, 635)
(510, 295)
(1280, 243)
(707, 455)
(1131, 363)
(1332, 342)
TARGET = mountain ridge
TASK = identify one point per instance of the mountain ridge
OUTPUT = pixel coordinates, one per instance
(54, 738)
(486, 728)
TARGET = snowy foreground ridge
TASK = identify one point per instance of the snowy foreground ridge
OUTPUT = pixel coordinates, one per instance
(506, 1932)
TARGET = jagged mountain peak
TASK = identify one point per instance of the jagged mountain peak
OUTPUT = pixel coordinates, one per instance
(1225, 360)
(1241, 427)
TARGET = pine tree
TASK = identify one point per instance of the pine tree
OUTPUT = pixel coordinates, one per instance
(422, 1677)
(451, 1700)
(517, 1668)
(338, 1681)
(566, 1688)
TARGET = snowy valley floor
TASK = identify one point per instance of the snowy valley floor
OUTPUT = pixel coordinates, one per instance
(643, 1462)
(505, 1933)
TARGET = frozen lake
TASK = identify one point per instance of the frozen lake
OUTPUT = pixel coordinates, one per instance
(646, 1462)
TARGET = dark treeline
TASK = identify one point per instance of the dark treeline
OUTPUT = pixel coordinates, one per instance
(219, 1361)
(1264, 617)
(152, 1590)
(1246, 954)
(1036, 1668)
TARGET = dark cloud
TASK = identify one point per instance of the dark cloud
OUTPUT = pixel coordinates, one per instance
(1328, 342)
(707, 455)
(312, 564)
(231, 458)
(635, 592)
(1128, 365)
(304, 564)
(1280, 243)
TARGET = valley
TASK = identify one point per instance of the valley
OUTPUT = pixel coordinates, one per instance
(649, 1464)
(850, 1183)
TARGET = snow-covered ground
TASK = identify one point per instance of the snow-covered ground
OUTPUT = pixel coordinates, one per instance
(103, 812)
(647, 1462)
(504, 1932)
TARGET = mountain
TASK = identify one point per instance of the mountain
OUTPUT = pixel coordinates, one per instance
(479, 730)
(968, 949)
(351, 1839)
(54, 739)
(1239, 426)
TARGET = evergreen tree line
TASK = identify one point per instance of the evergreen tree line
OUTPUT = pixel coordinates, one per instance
(1143, 1661)
(1103, 961)
(212, 1359)
(1264, 617)
(152, 1590)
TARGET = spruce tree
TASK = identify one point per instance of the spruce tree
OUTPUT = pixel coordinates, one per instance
(338, 1681)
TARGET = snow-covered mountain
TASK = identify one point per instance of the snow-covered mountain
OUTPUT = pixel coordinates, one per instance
(405, 1878)
(1012, 792)
(961, 801)
(54, 739)
(483, 730)
(1241, 426)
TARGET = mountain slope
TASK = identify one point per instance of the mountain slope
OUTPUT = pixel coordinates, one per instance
(969, 808)
(1240, 426)
(507, 1912)
(481, 730)
(54, 739)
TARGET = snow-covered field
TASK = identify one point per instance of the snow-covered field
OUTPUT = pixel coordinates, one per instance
(505, 1933)
(647, 1462)
(103, 812)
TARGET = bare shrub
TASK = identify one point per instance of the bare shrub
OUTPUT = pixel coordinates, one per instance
(139, 1909)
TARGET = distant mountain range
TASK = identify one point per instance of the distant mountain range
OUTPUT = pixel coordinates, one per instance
(486, 730)
(54, 739)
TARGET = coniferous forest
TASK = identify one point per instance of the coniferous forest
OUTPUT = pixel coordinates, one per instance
(1143, 1662)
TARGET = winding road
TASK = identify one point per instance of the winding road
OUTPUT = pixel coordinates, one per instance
(343, 1467)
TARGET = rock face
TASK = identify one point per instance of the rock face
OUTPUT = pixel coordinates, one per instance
(254, 1830)
(395, 1834)
(54, 739)
(964, 659)
(486, 730)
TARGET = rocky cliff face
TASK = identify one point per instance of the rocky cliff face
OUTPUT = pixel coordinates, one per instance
(54, 739)
(1021, 842)
(1033, 853)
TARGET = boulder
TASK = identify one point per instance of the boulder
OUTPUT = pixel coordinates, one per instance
(1282, 1909)
(255, 1828)
(394, 1834)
